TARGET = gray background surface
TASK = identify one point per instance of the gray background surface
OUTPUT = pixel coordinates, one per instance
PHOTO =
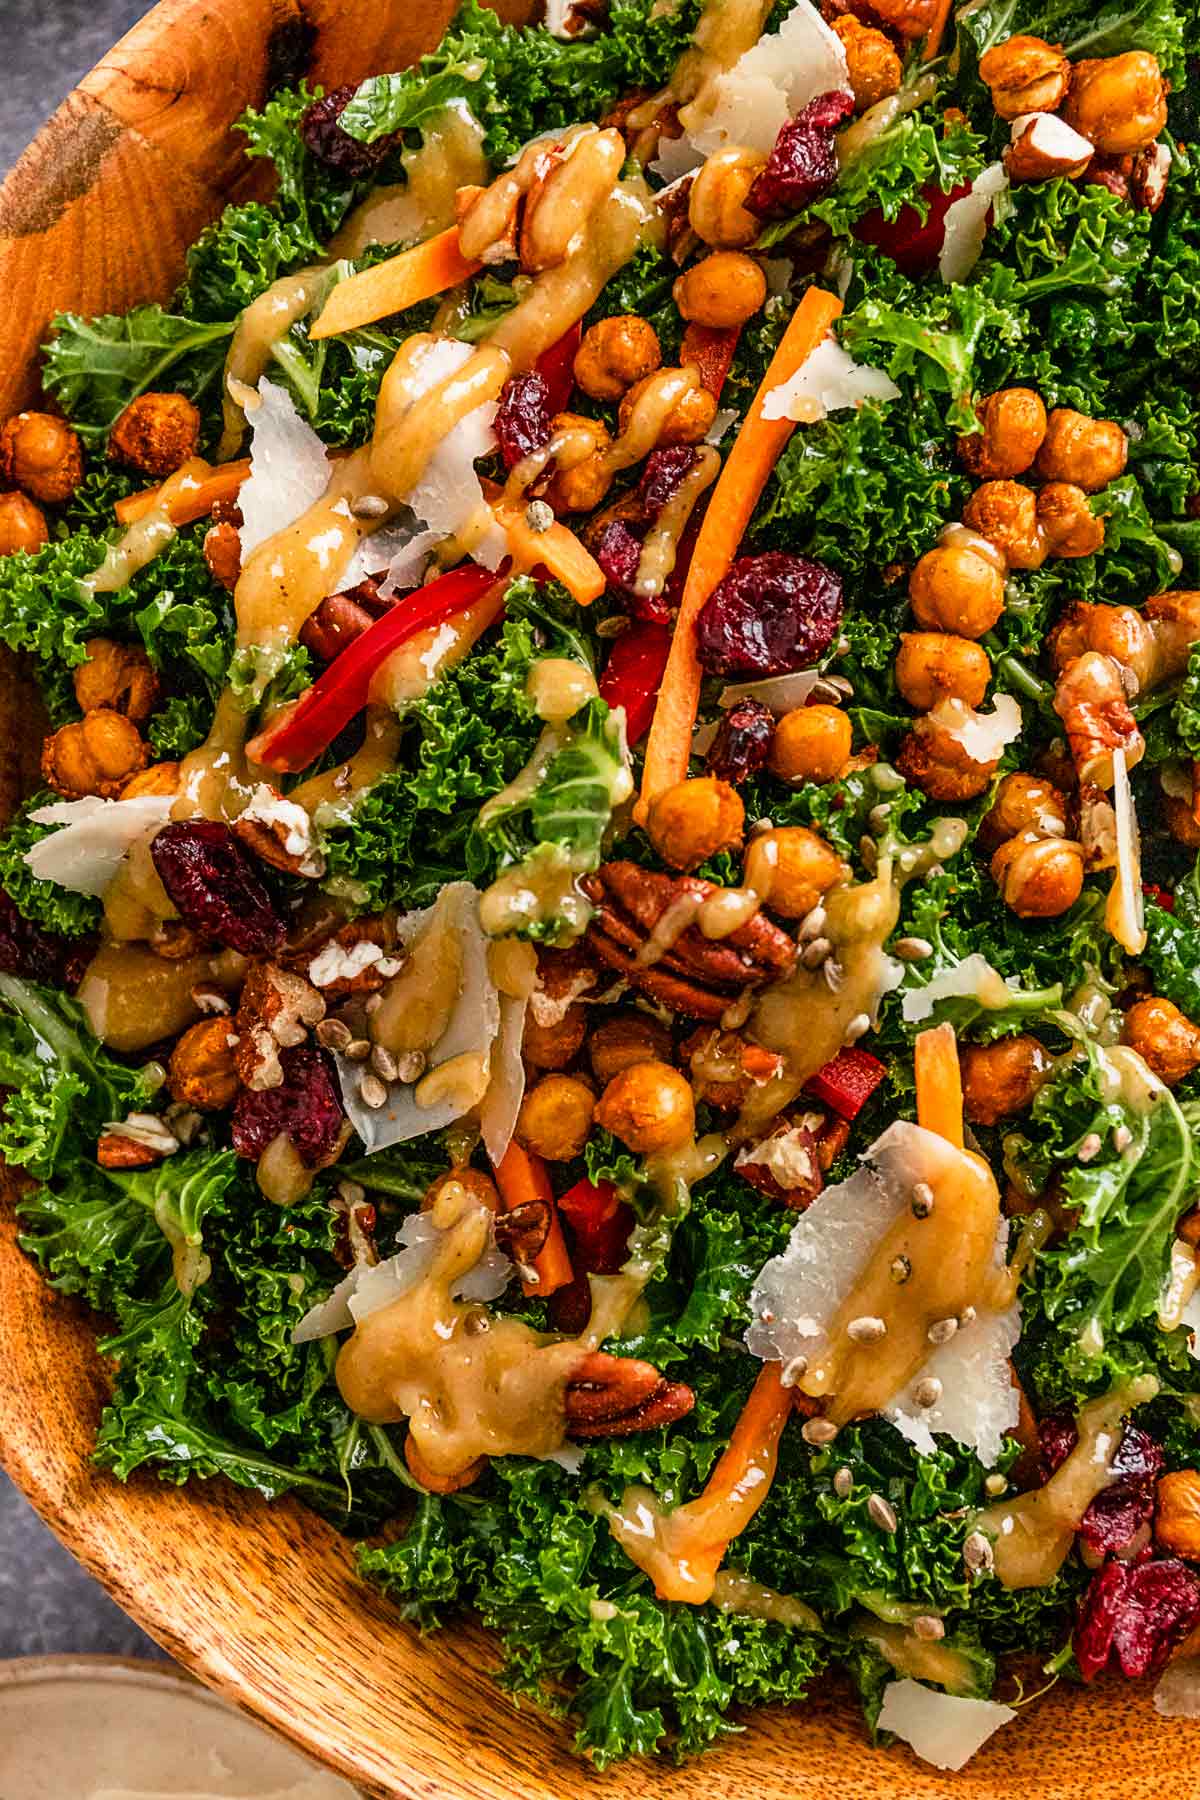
(47, 1603)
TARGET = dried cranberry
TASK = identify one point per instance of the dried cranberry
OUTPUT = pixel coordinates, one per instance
(619, 553)
(1133, 1615)
(307, 1107)
(772, 614)
(663, 476)
(331, 145)
(743, 742)
(1119, 1510)
(523, 417)
(34, 954)
(803, 164)
(215, 886)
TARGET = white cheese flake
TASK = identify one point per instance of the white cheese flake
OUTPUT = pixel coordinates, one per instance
(966, 223)
(983, 736)
(1125, 911)
(772, 82)
(827, 381)
(270, 808)
(93, 838)
(289, 470)
(971, 979)
(941, 1728)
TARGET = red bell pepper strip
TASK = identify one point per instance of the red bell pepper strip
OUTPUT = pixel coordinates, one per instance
(847, 1083)
(1159, 896)
(601, 1222)
(914, 244)
(556, 366)
(633, 672)
(310, 726)
(711, 348)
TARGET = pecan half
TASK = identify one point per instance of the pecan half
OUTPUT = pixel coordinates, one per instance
(522, 1233)
(115, 1151)
(276, 1010)
(614, 1396)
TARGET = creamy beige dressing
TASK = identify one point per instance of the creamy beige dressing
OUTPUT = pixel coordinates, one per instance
(410, 672)
(923, 1659)
(450, 157)
(147, 537)
(262, 325)
(660, 548)
(418, 1001)
(677, 918)
(215, 780)
(540, 890)
(736, 1593)
(558, 686)
(724, 32)
(961, 537)
(133, 998)
(328, 796)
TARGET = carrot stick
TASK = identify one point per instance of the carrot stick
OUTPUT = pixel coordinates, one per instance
(393, 286)
(933, 39)
(755, 451)
(521, 1177)
(193, 496)
(556, 549)
(939, 1084)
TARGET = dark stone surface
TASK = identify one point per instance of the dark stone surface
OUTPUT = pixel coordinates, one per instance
(48, 1604)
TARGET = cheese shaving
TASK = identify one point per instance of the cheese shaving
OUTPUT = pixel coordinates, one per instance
(289, 470)
(942, 1729)
(966, 223)
(1125, 913)
(827, 381)
(94, 838)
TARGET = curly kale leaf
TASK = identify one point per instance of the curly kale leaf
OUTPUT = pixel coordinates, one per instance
(96, 367)
(936, 339)
(55, 909)
(65, 1085)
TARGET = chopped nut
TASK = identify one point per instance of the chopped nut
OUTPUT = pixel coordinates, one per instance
(276, 1010)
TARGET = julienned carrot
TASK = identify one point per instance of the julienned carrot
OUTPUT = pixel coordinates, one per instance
(521, 1177)
(939, 1084)
(933, 38)
(393, 286)
(755, 451)
(557, 550)
(192, 498)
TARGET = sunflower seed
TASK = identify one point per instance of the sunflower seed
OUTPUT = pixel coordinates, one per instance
(881, 1513)
(818, 1431)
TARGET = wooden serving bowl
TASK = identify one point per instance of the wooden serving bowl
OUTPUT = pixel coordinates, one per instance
(260, 1600)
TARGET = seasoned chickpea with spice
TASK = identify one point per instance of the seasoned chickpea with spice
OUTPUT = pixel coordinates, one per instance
(159, 778)
(1038, 878)
(932, 759)
(1012, 426)
(1006, 514)
(95, 755)
(932, 666)
(556, 1117)
(1086, 452)
(582, 488)
(1025, 803)
(958, 589)
(22, 525)
(874, 67)
(803, 868)
(1070, 528)
(625, 1039)
(716, 203)
(810, 744)
(202, 1071)
(688, 422)
(722, 291)
(1118, 102)
(1177, 1513)
(909, 19)
(156, 433)
(1163, 1037)
(614, 354)
(650, 1107)
(42, 455)
(1180, 821)
(1001, 1079)
(119, 676)
(694, 819)
(1026, 75)
(554, 1046)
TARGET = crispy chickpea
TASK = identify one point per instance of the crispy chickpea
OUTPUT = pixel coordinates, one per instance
(909, 19)
(936, 762)
(554, 1046)
(223, 553)
(687, 423)
(650, 1107)
(1087, 452)
(874, 67)
(614, 354)
(22, 525)
(1164, 1038)
(1006, 514)
(1026, 75)
(1070, 527)
(202, 1071)
(159, 778)
(716, 211)
(694, 819)
(156, 433)
(810, 744)
(556, 1117)
(1025, 803)
(119, 676)
(1012, 426)
(1180, 821)
(724, 290)
(1001, 1079)
(1177, 1513)
(933, 665)
(1038, 878)
(625, 1039)
(1119, 103)
(95, 755)
(1116, 631)
(582, 488)
(42, 455)
(803, 869)
(956, 589)
(481, 1187)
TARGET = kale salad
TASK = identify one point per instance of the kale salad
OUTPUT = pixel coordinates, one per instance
(603, 978)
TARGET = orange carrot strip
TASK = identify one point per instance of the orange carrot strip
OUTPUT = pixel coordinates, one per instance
(939, 1084)
(933, 39)
(393, 286)
(755, 451)
(556, 549)
(521, 1177)
(193, 499)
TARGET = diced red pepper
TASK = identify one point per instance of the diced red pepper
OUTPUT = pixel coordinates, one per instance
(1159, 895)
(295, 740)
(711, 348)
(633, 674)
(601, 1222)
(912, 243)
(556, 366)
(847, 1083)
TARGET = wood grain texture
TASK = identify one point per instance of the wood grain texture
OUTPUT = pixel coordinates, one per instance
(262, 1601)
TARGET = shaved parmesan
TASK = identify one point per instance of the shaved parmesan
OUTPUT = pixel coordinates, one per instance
(771, 83)
(967, 220)
(94, 838)
(973, 1365)
(943, 1729)
(369, 1287)
(827, 381)
(1177, 1695)
(971, 979)
(723, 418)
(1125, 912)
(984, 737)
(289, 470)
(779, 693)
(506, 1090)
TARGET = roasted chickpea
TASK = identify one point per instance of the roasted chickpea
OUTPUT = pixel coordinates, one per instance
(1026, 75)
(223, 554)
(686, 423)
(1070, 527)
(956, 589)
(724, 290)
(1025, 803)
(936, 762)
(694, 819)
(202, 1072)
(1006, 514)
(1180, 821)
(159, 778)
(156, 433)
(1012, 426)
(1119, 103)
(95, 755)
(803, 869)
(875, 68)
(22, 525)
(1116, 631)
(42, 455)
(716, 210)
(650, 1107)
(1001, 1079)
(554, 1046)
(625, 1039)
(933, 665)
(810, 744)
(1164, 1038)
(1038, 878)
(614, 354)
(582, 488)
(1177, 1513)
(909, 19)
(481, 1187)
(556, 1117)
(119, 676)
(1087, 452)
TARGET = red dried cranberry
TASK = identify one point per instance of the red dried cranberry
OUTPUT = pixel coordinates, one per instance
(1119, 1510)
(216, 887)
(803, 164)
(1133, 1615)
(307, 1107)
(743, 742)
(523, 417)
(334, 147)
(34, 954)
(619, 553)
(663, 476)
(914, 244)
(771, 615)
